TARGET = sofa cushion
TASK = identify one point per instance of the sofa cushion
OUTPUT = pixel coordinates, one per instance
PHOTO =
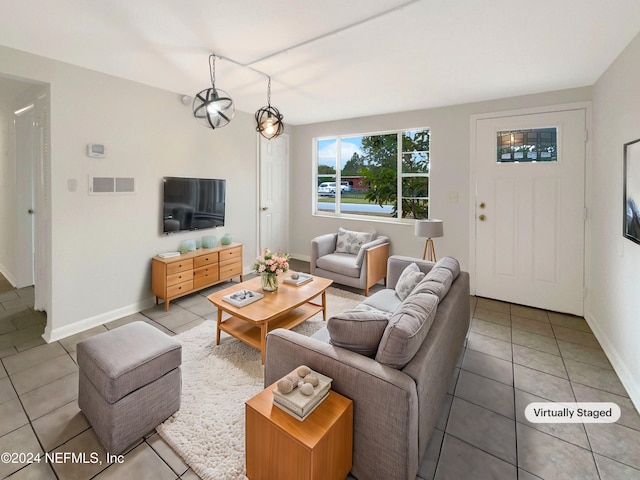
(409, 278)
(440, 275)
(385, 300)
(358, 330)
(342, 263)
(432, 287)
(407, 329)
(350, 242)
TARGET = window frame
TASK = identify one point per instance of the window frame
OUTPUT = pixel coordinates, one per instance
(337, 176)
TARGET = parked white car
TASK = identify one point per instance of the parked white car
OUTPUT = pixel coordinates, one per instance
(329, 188)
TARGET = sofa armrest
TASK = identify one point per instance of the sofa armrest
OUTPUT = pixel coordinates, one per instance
(375, 265)
(385, 402)
(398, 263)
(321, 246)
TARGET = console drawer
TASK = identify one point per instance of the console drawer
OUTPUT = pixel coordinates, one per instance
(230, 270)
(208, 259)
(179, 277)
(205, 275)
(179, 266)
(179, 288)
(230, 253)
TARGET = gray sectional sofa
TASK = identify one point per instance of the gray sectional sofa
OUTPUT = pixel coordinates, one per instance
(393, 357)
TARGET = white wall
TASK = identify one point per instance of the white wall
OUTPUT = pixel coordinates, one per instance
(613, 267)
(102, 245)
(450, 150)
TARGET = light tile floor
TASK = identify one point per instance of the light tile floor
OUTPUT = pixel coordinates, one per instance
(514, 355)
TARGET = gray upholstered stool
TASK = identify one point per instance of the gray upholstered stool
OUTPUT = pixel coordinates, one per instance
(130, 382)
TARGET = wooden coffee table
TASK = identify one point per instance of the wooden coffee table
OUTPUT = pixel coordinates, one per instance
(287, 307)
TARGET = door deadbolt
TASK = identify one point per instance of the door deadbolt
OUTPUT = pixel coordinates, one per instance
(482, 218)
(482, 205)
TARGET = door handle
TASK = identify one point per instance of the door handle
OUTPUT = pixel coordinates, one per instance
(264, 209)
(482, 218)
(31, 211)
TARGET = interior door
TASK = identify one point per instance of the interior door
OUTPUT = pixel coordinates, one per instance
(530, 209)
(27, 143)
(274, 193)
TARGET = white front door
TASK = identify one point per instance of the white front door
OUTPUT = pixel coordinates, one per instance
(274, 194)
(529, 212)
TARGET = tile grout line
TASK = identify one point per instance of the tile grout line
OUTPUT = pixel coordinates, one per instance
(515, 407)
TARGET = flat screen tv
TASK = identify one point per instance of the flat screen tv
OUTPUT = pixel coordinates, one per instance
(192, 203)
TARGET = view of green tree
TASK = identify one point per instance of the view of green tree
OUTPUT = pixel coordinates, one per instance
(326, 170)
(380, 171)
(353, 165)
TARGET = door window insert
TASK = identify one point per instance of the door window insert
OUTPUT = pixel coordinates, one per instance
(527, 146)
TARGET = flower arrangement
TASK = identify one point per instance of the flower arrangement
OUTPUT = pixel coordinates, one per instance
(269, 265)
(274, 263)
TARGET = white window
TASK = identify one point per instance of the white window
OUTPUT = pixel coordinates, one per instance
(379, 175)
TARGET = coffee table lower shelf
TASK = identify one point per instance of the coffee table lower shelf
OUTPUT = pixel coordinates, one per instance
(254, 336)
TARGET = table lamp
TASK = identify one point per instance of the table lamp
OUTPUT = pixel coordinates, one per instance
(429, 228)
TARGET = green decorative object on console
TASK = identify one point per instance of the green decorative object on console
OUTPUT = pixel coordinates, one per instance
(209, 241)
(187, 246)
(226, 239)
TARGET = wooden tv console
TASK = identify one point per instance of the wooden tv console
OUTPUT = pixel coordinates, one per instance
(175, 277)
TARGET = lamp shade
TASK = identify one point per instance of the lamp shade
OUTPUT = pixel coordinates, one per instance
(431, 228)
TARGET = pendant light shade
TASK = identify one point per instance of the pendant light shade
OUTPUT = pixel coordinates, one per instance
(269, 119)
(212, 107)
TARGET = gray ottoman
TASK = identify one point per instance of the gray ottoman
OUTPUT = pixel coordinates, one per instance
(130, 382)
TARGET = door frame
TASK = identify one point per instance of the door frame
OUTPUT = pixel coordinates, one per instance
(473, 167)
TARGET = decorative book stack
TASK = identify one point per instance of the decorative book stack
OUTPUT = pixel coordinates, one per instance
(297, 403)
(298, 279)
(242, 297)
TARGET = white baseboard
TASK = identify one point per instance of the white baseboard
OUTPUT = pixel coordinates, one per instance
(299, 256)
(629, 382)
(82, 325)
(6, 274)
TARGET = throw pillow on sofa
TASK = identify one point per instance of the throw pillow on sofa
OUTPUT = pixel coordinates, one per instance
(358, 330)
(409, 278)
(350, 242)
(450, 264)
(439, 279)
(407, 329)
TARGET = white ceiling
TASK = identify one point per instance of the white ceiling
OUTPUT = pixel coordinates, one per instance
(333, 58)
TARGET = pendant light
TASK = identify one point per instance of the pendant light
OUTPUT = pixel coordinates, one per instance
(213, 108)
(269, 119)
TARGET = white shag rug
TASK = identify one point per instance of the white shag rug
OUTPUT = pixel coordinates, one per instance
(208, 430)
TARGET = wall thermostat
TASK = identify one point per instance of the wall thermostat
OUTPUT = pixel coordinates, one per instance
(96, 150)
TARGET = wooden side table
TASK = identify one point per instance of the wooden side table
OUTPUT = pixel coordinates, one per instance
(281, 447)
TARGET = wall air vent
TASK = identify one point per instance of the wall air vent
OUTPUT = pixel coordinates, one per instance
(111, 185)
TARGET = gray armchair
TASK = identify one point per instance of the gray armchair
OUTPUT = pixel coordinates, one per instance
(360, 270)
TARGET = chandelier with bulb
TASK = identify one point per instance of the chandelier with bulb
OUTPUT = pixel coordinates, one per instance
(213, 107)
(269, 119)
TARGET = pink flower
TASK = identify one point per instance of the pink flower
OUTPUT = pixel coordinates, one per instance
(261, 269)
